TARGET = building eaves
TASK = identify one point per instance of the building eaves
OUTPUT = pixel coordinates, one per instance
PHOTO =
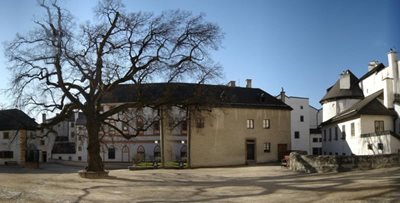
(368, 106)
(376, 69)
(334, 92)
(193, 94)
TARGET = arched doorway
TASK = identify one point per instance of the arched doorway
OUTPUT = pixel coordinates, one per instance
(183, 153)
(157, 153)
(125, 154)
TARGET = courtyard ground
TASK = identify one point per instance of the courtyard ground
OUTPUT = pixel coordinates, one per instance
(59, 183)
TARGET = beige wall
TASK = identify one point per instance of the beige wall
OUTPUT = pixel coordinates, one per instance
(222, 141)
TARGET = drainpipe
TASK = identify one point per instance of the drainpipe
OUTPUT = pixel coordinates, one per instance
(189, 141)
(162, 136)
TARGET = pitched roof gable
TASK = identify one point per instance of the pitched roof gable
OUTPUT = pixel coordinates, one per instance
(368, 106)
(189, 93)
(14, 119)
(335, 92)
(376, 69)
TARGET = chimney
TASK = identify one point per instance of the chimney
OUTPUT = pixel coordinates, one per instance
(232, 83)
(283, 96)
(392, 60)
(43, 117)
(248, 83)
(345, 80)
(388, 96)
(372, 64)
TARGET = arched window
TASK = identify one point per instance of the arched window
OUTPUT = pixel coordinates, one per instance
(140, 152)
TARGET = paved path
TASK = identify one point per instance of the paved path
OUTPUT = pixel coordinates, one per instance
(57, 183)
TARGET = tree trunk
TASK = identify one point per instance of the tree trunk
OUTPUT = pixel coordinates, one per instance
(95, 163)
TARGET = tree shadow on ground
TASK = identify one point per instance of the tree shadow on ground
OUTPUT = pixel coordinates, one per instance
(324, 185)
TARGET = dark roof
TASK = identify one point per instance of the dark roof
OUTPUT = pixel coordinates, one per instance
(192, 94)
(14, 119)
(377, 69)
(368, 106)
(335, 92)
(63, 148)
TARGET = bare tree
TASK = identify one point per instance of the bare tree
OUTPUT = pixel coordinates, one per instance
(60, 67)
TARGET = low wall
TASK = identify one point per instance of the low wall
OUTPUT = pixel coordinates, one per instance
(325, 164)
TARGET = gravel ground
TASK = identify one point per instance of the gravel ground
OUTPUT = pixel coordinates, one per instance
(59, 183)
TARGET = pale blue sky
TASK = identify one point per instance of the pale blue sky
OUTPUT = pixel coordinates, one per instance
(300, 45)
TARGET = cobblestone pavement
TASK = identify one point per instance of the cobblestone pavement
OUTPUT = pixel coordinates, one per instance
(59, 183)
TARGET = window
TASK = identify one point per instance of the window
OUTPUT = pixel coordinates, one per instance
(156, 126)
(79, 158)
(344, 154)
(72, 134)
(343, 132)
(301, 107)
(6, 154)
(200, 123)
(369, 146)
(380, 146)
(72, 124)
(315, 139)
(139, 125)
(80, 148)
(42, 142)
(330, 134)
(111, 153)
(6, 135)
(330, 153)
(267, 147)
(184, 126)
(336, 133)
(124, 126)
(266, 123)
(324, 134)
(301, 118)
(336, 153)
(379, 126)
(353, 131)
(320, 139)
(296, 134)
(250, 123)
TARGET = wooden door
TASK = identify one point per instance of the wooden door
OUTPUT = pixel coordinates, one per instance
(282, 151)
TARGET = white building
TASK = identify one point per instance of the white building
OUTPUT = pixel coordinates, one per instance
(360, 116)
(16, 132)
(305, 121)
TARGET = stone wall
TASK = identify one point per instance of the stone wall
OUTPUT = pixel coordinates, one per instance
(325, 164)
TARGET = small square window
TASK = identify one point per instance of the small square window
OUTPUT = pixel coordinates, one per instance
(79, 148)
(79, 158)
(200, 122)
(380, 146)
(344, 154)
(250, 124)
(296, 135)
(369, 146)
(320, 139)
(301, 107)
(6, 135)
(266, 123)
(315, 139)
